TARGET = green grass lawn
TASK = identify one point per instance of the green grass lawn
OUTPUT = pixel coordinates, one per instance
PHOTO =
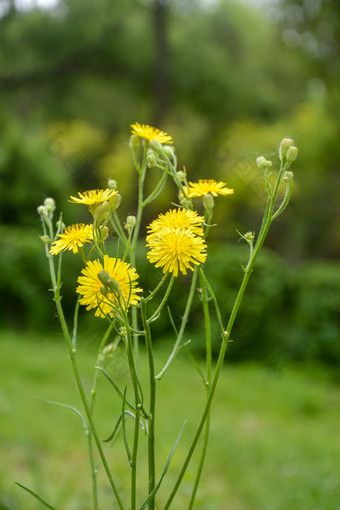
(274, 436)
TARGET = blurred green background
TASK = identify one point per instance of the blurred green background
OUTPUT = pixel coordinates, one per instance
(228, 80)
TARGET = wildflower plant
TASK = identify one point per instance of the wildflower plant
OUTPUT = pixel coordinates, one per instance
(108, 286)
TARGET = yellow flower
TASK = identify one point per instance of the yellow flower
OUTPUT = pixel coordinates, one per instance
(177, 218)
(150, 133)
(205, 186)
(94, 196)
(73, 238)
(176, 249)
(124, 293)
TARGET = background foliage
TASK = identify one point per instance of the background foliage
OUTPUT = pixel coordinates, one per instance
(228, 80)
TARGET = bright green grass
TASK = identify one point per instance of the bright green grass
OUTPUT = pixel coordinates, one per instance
(274, 437)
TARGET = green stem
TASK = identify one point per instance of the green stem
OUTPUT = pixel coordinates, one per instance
(207, 323)
(164, 300)
(183, 325)
(154, 292)
(152, 384)
(225, 340)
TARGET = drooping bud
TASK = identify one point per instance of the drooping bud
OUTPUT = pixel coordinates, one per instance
(151, 158)
(181, 175)
(41, 210)
(292, 153)
(263, 163)
(284, 146)
(104, 232)
(169, 151)
(44, 239)
(249, 237)
(208, 202)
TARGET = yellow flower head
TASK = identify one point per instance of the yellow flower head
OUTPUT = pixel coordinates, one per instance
(205, 186)
(121, 295)
(73, 238)
(176, 249)
(94, 196)
(150, 133)
(177, 218)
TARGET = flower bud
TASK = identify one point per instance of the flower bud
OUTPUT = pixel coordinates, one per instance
(249, 237)
(45, 239)
(263, 163)
(156, 146)
(41, 210)
(151, 159)
(101, 211)
(284, 146)
(208, 201)
(130, 223)
(115, 202)
(291, 154)
(60, 225)
(50, 205)
(134, 142)
(104, 232)
(288, 176)
(181, 175)
(169, 151)
(110, 284)
(112, 183)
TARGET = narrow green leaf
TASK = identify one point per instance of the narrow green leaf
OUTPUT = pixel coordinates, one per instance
(36, 496)
(66, 406)
(157, 486)
(111, 381)
(128, 452)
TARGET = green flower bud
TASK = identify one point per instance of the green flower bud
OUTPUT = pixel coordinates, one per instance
(115, 202)
(208, 201)
(50, 205)
(41, 210)
(291, 154)
(101, 211)
(130, 223)
(105, 232)
(284, 146)
(169, 151)
(181, 175)
(112, 183)
(151, 159)
(249, 237)
(104, 290)
(156, 145)
(288, 176)
(110, 284)
(263, 163)
(134, 142)
(45, 239)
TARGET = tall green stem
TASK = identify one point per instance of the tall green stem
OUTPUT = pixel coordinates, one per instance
(226, 337)
(151, 428)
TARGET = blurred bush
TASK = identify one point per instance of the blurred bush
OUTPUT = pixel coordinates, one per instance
(288, 313)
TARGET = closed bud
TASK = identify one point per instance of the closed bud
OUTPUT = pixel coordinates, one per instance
(41, 210)
(151, 159)
(104, 277)
(291, 154)
(115, 202)
(112, 183)
(156, 145)
(60, 225)
(169, 151)
(50, 206)
(249, 237)
(105, 232)
(110, 284)
(101, 211)
(208, 201)
(134, 142)
(263, 163)
(130, 223)
(288, 176)
(181, 175)
(284, 146)
(45, 239)
(104, 291)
